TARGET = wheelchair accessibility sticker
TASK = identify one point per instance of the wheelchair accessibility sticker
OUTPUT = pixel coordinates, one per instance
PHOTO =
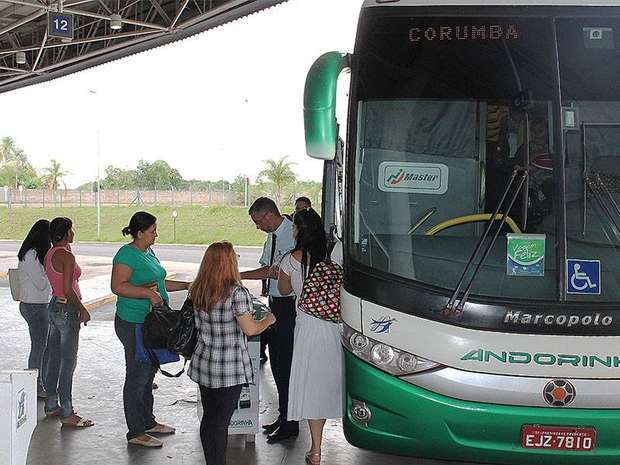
(583, 276)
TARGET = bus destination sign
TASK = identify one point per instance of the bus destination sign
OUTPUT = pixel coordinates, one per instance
(464, 32)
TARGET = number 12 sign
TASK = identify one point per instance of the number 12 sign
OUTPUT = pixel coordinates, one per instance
(60, 25)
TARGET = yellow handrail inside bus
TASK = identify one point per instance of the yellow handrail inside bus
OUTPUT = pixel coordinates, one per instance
(471, 219)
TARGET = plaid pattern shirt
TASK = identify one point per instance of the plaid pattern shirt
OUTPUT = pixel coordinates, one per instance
(221, 358)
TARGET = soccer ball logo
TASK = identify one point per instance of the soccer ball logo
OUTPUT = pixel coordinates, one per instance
(559, 393)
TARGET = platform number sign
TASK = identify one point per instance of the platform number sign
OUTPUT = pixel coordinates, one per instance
(60, 25)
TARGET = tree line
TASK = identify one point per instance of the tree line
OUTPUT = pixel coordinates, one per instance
(16, 170)
(277, 179)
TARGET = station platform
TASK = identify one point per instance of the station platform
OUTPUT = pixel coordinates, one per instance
(98, 396)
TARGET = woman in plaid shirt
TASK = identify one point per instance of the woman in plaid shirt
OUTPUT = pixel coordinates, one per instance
(221, 362)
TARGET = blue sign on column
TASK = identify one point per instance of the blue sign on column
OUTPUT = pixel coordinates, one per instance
(583, 276)
(60, 25)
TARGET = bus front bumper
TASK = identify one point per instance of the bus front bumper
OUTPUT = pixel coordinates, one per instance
(408, 420)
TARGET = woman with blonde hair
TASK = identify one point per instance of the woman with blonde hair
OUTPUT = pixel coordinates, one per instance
(221, 362)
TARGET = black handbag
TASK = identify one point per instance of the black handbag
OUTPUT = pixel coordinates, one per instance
(183, 337)
(158, 326)
(165, 328)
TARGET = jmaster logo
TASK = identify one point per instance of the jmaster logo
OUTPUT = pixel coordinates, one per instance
(420, 178)
(541, 358)
(404, 176)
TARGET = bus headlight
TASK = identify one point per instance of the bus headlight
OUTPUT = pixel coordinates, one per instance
(381, 355)
(358, 341)
(407, 362)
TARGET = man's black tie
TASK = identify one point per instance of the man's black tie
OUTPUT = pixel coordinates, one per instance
(273, 252)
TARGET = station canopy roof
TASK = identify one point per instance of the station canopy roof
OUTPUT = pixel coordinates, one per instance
(32, 51)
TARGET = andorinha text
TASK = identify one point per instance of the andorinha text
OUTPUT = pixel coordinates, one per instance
(525, 358)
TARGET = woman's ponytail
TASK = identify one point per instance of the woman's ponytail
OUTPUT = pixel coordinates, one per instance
(140, 221)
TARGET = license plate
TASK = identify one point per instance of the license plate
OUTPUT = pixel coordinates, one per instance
(558, 438)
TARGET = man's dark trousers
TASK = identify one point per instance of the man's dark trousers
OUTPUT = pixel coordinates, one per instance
(281, 337)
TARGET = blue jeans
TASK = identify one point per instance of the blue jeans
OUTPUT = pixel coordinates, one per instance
(62, 344)
(138, 387)
(38, 322)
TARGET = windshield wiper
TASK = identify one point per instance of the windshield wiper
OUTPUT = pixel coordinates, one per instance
(455, 304)
(526, 185)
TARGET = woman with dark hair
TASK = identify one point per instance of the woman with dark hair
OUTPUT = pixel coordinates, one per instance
(139, 281)
(66, 312)
(221, 362)
(34, 295)
(315, 387)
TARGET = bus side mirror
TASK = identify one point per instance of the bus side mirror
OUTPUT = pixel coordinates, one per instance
(320, 104)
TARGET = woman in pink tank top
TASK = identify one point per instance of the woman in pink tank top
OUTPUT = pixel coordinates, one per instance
(66, 312)
(56, 278)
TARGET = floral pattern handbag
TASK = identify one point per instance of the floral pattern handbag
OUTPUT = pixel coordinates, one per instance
(320, 294)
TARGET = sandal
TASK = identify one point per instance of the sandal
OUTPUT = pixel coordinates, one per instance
(161, 429)
(150, 441)
(313, 458)
(79, 423)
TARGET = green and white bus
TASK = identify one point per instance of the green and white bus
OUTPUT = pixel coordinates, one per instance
(477, 195)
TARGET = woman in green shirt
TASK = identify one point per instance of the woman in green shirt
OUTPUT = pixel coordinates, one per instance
(139, 281)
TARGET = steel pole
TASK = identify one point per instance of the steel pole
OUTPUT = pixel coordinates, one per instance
(98, 186)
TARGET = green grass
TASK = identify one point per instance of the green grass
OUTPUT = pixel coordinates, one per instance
(194, 224)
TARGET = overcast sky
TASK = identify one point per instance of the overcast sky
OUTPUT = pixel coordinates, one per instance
(214, 105)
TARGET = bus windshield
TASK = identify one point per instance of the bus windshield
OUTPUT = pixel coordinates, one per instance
(445, 109)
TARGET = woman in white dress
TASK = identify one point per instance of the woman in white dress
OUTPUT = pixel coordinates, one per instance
(315, 387)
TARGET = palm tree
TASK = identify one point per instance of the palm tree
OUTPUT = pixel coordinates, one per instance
(280, 173)
(7, 148)
(53, 175)
(20, 157)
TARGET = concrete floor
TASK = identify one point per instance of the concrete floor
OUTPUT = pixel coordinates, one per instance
(97, 395)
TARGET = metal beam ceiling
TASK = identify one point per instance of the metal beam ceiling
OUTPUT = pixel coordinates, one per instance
(145, 24)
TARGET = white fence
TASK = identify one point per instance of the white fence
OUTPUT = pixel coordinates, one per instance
(113, 197)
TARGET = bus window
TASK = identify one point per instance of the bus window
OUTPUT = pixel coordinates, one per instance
(441, 123)
(588, 73)
(522, 138)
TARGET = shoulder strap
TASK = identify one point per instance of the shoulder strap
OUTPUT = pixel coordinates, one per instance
(48, 259)
(155, 362)
(152, 252)
(330, 249)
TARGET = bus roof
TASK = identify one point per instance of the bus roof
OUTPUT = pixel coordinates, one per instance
(371, 3)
